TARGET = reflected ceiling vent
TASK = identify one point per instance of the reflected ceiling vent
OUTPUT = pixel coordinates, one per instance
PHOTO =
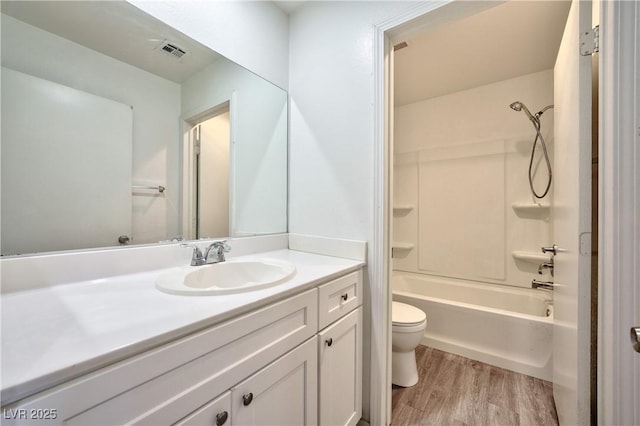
(399, 46)
(172, 49)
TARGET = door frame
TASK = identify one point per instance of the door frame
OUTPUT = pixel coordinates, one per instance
(189, 178)
(619, 212)
(386, 34)
(618, 249)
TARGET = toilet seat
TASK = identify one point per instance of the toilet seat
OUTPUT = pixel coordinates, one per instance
(403, 315)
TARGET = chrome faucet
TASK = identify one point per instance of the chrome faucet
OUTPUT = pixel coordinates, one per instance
(219, 248)
(214, 253)
(546, 265)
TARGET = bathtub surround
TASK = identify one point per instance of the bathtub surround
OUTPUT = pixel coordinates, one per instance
(470, 227)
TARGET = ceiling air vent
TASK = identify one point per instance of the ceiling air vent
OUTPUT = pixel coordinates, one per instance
(172, 49)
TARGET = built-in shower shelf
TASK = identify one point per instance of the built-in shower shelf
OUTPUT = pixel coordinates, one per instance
(530, 256)
(402, 209)
(402, 246)
(399, 249)
(531, 208)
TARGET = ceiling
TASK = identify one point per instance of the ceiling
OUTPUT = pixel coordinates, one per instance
(505, 41)
(289, 6)
(117, 29)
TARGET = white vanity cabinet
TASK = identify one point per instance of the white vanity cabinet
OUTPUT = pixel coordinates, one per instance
(266, 367)
(283, 393)
(163, 385)
(340, 351)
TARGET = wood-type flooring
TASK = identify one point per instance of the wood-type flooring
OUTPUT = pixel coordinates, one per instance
(454, 390)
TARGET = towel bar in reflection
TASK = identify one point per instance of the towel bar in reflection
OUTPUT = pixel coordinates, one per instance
(158, 188)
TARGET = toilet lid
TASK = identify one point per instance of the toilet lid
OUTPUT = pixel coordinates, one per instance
(403, 314)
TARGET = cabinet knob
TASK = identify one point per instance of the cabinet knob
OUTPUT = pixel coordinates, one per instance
(221, 418)
(345, 297)
(247, 398)
(329, 341)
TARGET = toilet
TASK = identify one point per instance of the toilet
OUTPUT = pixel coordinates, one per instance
(408, 325)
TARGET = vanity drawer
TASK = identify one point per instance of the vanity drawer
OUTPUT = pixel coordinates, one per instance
(339, 297)
(161, 386)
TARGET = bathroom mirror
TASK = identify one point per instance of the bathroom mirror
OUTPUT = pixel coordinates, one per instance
(107, 134)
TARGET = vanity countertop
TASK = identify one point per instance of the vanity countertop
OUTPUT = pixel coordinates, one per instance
(53, 334)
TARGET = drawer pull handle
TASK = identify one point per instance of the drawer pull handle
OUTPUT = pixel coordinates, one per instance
(345, 297)
(221, 418)
(247, 398)
(329, 341)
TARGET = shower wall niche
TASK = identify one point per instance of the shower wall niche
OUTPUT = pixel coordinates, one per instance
(462, 204)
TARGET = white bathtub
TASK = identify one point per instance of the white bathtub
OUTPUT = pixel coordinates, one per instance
(502, 326)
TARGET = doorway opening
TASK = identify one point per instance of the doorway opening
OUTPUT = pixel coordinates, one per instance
(461, 207)
(207, 160)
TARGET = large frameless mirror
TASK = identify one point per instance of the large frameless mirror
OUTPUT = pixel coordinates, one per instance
(120, 130)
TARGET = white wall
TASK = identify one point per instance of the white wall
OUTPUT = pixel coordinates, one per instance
(156, 111)
(462, 160)
(331, 120)
(252, 33)
(331, 123)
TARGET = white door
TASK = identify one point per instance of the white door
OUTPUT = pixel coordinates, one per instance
(572, 222)
(66, 167)
(213, 177)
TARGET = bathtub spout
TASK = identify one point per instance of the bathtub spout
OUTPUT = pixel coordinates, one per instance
(546, 265)
(545, 285)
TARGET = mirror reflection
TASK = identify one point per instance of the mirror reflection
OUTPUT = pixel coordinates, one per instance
(117, 129)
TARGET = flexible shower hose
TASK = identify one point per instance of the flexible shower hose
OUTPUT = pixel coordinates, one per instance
(536, 124)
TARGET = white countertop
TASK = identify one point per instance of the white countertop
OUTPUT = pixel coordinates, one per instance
(53, 334)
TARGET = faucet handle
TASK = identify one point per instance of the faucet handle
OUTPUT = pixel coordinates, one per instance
(218, 248)
(197, 258)
(222, 245)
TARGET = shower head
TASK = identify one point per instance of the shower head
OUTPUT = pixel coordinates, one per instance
(516, 106)
(519, 106)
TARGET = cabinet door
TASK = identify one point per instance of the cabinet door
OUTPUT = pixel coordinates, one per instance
(283, 393)
(216, 412)
(340, 362)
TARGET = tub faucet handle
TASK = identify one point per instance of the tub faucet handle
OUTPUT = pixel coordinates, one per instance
(553, 249)
(545, 285)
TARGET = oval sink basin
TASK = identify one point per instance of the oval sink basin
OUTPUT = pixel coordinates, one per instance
(228, 277)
